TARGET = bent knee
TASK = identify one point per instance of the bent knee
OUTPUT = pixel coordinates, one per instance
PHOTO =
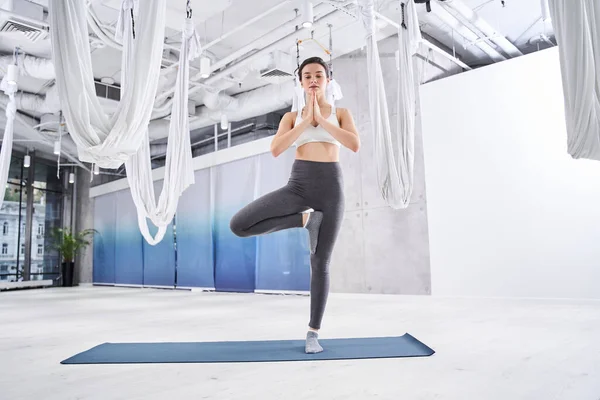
(236, 226)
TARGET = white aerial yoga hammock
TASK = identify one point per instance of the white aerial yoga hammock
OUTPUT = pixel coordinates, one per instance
(394, 153)
(179, 172)
(577, 29)
(100, 139)
(125, 136)
(7, 139)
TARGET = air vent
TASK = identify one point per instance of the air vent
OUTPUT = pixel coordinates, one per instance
(29, 31)
(107, 91)
(20, 16)
(280, 68)
(275, 74)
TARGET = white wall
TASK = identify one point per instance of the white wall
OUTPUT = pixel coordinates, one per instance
(510, 212)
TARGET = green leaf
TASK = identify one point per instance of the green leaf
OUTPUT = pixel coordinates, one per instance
(67, 243)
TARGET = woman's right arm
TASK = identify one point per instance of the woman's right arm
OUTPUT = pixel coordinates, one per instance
(286, 135)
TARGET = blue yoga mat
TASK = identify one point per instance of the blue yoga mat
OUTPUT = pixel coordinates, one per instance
(256, 351)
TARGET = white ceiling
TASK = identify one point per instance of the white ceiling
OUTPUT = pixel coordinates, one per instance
(518, 20)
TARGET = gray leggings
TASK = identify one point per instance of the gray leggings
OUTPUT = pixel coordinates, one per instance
(316, 185)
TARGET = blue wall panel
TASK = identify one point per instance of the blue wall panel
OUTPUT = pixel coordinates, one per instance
(208, 254)
(129, 261)
(195, 266)
(105, 216)
(235, 257)
(159, 260)
(283, 257)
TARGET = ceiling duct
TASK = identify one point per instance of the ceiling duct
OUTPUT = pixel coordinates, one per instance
(50, 122)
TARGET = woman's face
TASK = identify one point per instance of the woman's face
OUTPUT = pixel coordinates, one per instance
(314, 79)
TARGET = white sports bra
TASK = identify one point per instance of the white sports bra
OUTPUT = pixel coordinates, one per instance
(316, 134)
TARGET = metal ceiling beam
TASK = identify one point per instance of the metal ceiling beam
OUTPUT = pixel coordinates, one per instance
(469, 16)
(427, 44)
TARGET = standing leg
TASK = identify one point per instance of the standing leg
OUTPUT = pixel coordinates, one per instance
(280, 209)
(319, 263)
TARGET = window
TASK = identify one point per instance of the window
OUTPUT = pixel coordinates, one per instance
(4, 248)
(40, 229)
(4, 268)
(40, 249)
(5, 228)
(22, 248)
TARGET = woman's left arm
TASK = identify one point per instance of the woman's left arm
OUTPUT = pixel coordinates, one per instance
(346, 133)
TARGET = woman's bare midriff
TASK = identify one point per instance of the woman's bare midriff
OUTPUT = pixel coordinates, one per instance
(318, 151)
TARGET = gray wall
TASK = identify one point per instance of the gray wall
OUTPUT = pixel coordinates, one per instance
(380, 250)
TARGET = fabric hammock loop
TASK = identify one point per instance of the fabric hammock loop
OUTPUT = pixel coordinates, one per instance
(127, 7)
(179, 173)
(107, 140)
(578, 35)
(394, 151)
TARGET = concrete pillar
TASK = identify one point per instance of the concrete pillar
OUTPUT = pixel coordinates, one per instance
(84, 219)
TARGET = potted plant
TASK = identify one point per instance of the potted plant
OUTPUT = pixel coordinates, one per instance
(68, 245)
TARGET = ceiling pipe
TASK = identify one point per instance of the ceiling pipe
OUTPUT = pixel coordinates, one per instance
(99, 30)
(247, 23)
(246, 105)
(260, 42)
(471, 17)
(212, 92)
(546, 17)
(47, 104)
(267, 49)
(238, 28)
(211, 83)
(426, 43)
(25, 124)
(465, 32)
(220, 81)
(35, 67)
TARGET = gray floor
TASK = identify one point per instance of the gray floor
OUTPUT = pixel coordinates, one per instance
(487, 349)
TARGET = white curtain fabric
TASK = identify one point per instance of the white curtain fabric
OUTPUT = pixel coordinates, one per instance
(179, 172)
(577, 28)
(110, 142)
(103, 140)
(7, 139)
(394, 152)
(124, 15)
(333, 92)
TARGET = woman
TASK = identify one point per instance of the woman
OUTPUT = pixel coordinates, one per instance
(315, 185)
